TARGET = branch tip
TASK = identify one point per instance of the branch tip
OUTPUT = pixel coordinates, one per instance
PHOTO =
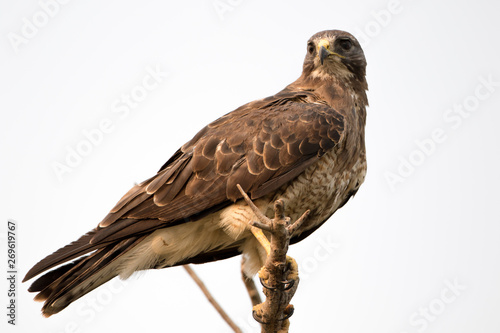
(296, 225)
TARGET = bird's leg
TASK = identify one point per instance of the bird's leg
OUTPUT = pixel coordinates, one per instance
(259, 234)
(262, 239)
(263, 275)
(250, 285)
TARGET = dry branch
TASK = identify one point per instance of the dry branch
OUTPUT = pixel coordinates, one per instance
(211, 299)
(279, 275)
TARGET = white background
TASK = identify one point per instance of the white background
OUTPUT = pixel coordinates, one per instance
(378, 265)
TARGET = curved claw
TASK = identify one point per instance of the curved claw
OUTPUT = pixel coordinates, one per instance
(265, 285)
(288, 284)
(288, 315)
(257, 319)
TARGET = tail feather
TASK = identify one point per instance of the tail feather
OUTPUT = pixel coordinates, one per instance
(42, 282)
(71, 251)
(60, 287)
(91, 241)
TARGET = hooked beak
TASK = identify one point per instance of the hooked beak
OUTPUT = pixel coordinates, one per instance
(324, 51)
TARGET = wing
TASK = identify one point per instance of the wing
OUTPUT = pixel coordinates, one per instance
(261, 146)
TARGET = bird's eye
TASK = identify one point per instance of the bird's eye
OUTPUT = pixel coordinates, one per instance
(345, 44)
(310, 48)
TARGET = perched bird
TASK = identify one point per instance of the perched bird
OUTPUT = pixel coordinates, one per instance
(304, 145)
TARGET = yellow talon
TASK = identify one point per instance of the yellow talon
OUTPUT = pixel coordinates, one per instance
(293, 268)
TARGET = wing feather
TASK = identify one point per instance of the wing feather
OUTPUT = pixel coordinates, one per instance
(261, 146)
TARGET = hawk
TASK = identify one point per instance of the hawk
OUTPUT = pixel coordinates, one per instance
(304, 145)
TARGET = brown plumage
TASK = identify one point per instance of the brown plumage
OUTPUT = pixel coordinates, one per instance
(305, 145)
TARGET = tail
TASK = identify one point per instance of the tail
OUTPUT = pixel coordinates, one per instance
(65, 284)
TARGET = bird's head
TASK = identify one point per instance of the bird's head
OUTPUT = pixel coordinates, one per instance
(334, 54)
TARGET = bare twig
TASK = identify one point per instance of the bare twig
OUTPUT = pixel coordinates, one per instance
(211, 299)
(279, 275)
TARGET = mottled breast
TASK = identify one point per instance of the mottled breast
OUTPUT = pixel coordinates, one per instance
(323, 188)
